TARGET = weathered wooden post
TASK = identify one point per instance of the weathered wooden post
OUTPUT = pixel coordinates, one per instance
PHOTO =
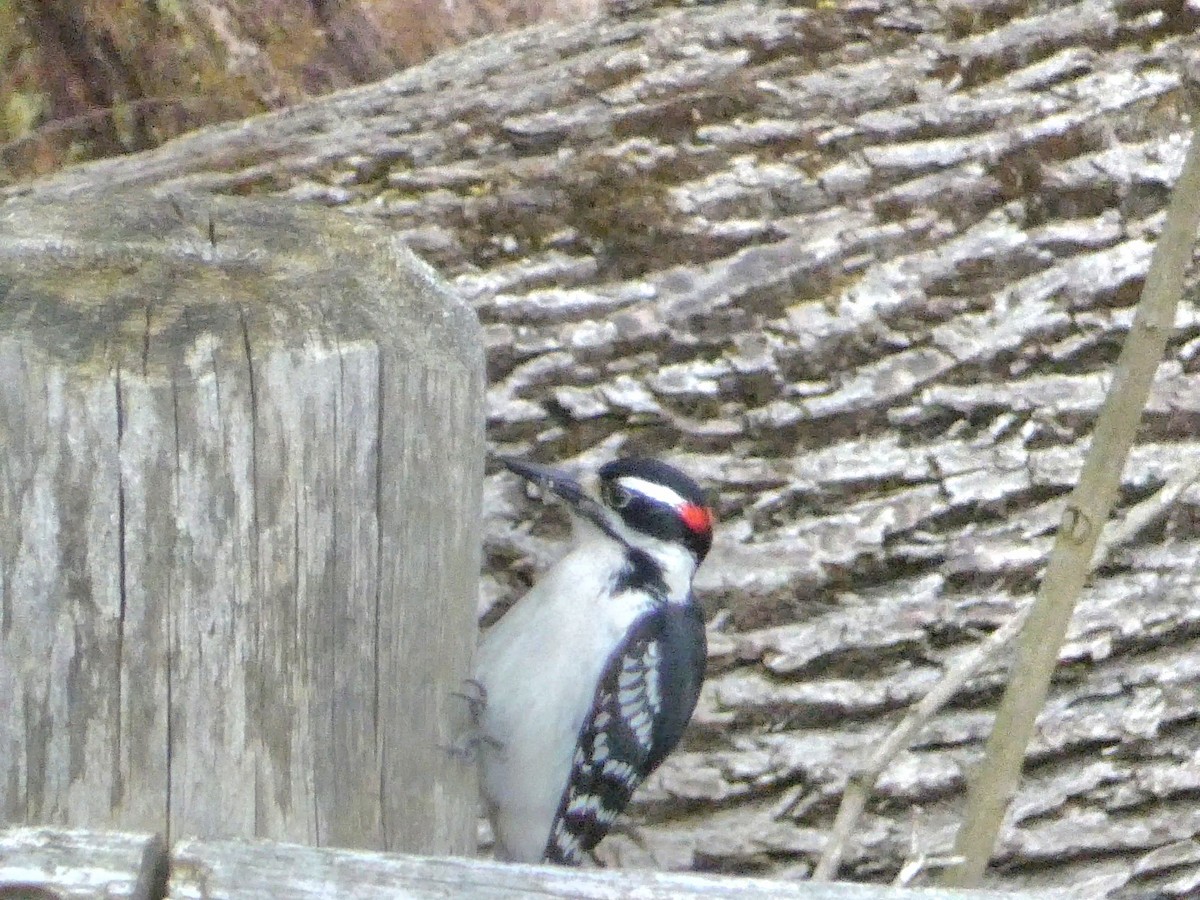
(241, 452)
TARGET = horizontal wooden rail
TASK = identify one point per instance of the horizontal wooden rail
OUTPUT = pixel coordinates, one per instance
(45, 862)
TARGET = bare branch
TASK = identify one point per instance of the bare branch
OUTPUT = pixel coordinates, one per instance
(858, 789)
(861, 782)
(1087, 509)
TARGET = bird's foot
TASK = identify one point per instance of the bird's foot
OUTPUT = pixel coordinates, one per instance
(476, 696)
(466, 748)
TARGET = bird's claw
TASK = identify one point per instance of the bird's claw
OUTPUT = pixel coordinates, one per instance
(476, 696)
(466, 750)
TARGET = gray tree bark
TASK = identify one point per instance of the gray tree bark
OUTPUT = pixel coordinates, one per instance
(863, 269)
(242, 449)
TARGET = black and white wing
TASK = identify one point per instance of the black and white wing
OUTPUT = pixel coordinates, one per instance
(643, 703)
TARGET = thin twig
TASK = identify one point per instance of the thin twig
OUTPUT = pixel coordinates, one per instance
(858, 788)
(1087, 509)
(862, 781)
(1149, 511)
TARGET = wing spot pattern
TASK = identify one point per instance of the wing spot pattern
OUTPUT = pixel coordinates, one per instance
(638, 695)
(632, 726)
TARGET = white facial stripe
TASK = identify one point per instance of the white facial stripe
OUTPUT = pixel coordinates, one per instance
(659, 492)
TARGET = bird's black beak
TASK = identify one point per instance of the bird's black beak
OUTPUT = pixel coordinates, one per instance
(551, 480)
(559, 484)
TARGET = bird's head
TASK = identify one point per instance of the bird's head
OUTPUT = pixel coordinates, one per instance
(646, 504)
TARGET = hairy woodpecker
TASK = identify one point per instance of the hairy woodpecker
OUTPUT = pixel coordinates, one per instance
(588, 681)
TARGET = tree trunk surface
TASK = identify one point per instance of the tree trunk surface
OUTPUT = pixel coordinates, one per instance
(862, 269)
(242, 453)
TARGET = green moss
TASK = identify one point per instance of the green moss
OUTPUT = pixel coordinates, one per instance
(22, 111)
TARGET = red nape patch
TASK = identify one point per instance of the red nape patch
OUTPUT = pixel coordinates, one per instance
(697, 518)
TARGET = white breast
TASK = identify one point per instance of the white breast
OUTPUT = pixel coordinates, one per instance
(540, 665)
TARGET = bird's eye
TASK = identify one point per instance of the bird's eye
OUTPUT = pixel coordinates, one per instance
(619, 497)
